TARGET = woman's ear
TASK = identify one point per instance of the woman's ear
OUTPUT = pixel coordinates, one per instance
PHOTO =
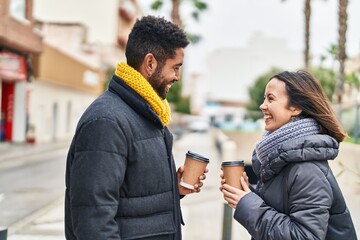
(296, 111)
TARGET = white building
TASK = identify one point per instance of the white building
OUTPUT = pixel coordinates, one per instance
(231, 71)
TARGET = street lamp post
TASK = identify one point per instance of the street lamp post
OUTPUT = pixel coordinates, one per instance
(3, 233)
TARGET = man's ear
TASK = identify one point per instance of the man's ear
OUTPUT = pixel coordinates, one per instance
(150, 64)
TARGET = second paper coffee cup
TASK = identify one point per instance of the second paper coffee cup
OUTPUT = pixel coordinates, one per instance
(194, 166)
(232, 171)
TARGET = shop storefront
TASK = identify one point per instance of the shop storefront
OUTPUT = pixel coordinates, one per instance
(13, 92)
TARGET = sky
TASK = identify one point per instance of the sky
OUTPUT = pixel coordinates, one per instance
(226, 23)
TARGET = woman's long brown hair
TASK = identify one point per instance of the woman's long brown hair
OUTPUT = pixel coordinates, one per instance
(306, 93)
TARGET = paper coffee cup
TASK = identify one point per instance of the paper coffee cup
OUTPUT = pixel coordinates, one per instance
(232, 172)
(194, 166)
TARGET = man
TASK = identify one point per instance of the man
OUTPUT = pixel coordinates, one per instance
(121, 181)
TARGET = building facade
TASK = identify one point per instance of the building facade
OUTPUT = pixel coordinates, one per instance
(20, 41)
(69, 74)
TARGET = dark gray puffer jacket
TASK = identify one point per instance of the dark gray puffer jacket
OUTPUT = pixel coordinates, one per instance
(120, 175)
(297, 196)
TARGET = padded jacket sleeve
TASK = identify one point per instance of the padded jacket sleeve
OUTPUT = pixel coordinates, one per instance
(97, 173)
(309, 200)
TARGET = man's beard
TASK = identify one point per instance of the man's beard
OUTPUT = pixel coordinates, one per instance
(158, 83)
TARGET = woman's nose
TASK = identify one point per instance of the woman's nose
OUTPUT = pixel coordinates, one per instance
(263, 106)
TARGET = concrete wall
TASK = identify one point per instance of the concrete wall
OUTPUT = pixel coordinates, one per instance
(55, 110)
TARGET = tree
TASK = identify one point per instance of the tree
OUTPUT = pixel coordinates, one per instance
(342, 11)
(307, 11)
(198, 7)
(327, 79)
(307, 14)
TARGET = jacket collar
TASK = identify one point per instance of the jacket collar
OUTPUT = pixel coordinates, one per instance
(134, 100)
(318, 147)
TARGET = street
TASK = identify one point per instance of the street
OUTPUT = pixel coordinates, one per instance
(29, 183)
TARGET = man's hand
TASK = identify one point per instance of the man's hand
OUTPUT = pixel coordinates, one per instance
(197, 186)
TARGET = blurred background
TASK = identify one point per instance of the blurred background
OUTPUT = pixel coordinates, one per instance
(56, 57)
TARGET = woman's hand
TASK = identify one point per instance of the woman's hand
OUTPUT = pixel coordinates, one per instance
(197, 186)
(233, 195)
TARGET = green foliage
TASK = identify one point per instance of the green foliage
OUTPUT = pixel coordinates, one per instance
(327, 78)
(195, 15)
(200, 5)
(256, 93)
(353, 80)
(174, 96)
(157, 5)
(194, 38)
(183, 106)
(333, 51)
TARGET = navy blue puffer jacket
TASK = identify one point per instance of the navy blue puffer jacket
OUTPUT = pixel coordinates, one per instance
(297, 196)
(120, 175)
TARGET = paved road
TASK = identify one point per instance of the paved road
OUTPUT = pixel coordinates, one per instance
(28, 183)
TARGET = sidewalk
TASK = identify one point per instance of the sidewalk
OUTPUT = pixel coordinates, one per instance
(346, 169)
(46, 223)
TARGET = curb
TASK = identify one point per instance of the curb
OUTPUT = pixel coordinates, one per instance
(20, 225)
(12, 151)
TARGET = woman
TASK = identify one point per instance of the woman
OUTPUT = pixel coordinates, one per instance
(297, 196)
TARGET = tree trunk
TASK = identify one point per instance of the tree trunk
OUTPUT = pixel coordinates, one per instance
(307, 12)
(175, 13)
(342, 52)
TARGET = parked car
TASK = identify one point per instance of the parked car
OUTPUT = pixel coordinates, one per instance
(198, 124)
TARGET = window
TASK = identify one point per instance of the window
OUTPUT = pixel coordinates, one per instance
(18, 9)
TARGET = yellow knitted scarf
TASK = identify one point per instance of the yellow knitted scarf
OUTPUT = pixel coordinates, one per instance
(139, 84)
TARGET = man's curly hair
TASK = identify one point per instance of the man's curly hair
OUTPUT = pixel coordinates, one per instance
(153, 35)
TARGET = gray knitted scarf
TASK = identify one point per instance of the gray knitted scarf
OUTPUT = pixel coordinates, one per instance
(297, 128)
